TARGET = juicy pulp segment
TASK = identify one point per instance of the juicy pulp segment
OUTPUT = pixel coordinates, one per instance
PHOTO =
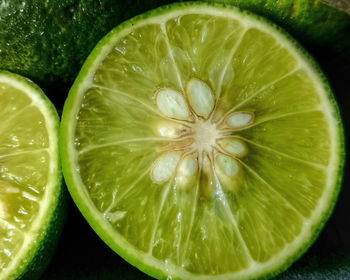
(11, 241)
(265, 96)
(26, 164)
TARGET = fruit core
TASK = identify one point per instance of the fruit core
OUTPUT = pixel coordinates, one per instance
(199, 148)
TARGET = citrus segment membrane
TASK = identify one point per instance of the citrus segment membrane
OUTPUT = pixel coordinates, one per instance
(201, 143)
(29, 172)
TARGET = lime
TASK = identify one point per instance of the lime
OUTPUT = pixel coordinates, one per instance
(201, 142)
(49, 40)
(314, 22)
(323, 28)
(30, 178)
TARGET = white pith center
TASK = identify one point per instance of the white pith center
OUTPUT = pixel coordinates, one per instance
(196, 143)
(205, 134)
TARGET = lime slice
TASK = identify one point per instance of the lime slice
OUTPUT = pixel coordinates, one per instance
(30, 178)
(200, 142)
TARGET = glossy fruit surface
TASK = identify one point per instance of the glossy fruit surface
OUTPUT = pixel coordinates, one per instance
(201, 142)
(32, 204)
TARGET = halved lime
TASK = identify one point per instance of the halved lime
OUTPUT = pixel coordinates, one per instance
(30, 178)
(201, 142)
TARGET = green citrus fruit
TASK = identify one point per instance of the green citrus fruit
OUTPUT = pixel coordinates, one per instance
(201, 142)
(313, 22)
(31, 197)
(48, 41)
(321, 28)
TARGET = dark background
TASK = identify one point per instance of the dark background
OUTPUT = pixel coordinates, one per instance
(81, 254)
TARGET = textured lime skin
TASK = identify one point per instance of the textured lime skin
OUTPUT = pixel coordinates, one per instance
(48, 41)
(85, 207)
(39, 255)
(312, 21)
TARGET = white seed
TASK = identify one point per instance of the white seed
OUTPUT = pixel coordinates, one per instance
(200, 97)
(240, 119)
(186, 172)
(229, 172)
(164, 167)
(227, 165)
(172, 104)
(188, 166)
(169, 129)
(234, 147)
(167, 132)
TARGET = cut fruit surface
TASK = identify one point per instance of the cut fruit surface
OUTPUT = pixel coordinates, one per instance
(30, 178)
(200, 142)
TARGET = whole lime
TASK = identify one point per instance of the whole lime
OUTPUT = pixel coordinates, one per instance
(316, 24)
(49, 40)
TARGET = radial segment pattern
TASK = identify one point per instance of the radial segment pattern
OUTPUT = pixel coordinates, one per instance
(28, 171)
(204, 140)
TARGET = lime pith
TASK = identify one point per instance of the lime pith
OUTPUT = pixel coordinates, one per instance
(30, 179)
(201, 143)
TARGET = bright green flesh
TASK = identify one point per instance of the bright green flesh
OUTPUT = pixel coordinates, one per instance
(29, 172)
(111, 140)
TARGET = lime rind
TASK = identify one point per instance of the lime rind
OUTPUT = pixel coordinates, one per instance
(117, 242)
(43, 235)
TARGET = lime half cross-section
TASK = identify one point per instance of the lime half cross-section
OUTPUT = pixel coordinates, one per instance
(201, 142)
(31, 206)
